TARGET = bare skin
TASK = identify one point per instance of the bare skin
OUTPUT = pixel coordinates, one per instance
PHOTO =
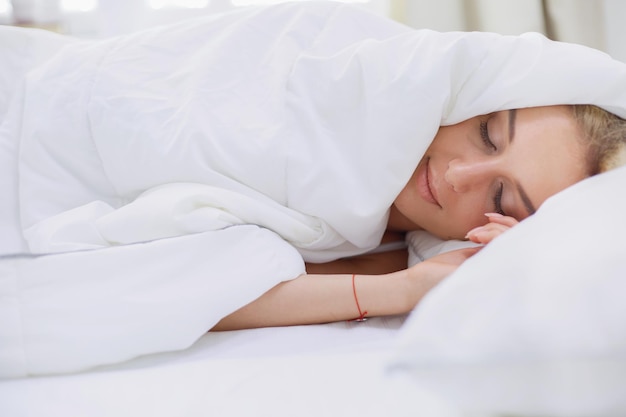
(478, 179)
(311, 299)
(497, 225)
(508, 162)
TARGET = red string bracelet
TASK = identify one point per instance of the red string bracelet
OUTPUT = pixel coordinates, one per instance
(358, 306)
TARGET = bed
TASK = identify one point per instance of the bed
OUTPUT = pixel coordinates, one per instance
(106, 292)
(540, 334)
(333, 369)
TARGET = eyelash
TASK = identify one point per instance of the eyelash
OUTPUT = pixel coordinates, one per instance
(484, 134)
(497, 200)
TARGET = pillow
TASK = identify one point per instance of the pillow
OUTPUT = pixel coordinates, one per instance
(535, 323)
(422, 245)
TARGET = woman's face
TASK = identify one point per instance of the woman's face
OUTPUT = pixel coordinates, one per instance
(508, 162)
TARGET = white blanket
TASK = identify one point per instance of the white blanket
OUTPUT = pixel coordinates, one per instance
(304, 119)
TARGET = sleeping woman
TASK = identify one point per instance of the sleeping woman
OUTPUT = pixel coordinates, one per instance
(241, 171)
(497, 168)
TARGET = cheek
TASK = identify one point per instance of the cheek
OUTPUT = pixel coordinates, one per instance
(465, 217)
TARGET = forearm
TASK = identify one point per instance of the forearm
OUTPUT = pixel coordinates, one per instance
(312, 299)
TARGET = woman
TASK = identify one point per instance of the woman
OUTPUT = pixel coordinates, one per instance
(208, 161)
(502, 166)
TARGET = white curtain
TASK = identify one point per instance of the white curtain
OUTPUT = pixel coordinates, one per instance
(595, 23)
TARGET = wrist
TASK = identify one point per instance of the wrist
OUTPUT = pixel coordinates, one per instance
(383, 295)
(412, 291)
(419, 280)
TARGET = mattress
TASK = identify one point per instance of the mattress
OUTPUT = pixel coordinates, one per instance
(317, 370)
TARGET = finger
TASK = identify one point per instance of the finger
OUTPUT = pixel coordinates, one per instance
(487, 227)
(490, 227)
(487, 233)
(500, 219)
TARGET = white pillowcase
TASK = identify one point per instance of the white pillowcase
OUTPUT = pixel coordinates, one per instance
(535, 323)
(422, 245)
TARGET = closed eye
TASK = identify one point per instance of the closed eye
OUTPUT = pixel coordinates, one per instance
(484, 135)
(497, 200)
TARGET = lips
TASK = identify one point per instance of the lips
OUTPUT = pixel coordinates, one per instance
(424, 185)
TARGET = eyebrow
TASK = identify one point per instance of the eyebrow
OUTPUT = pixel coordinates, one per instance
(525, 199)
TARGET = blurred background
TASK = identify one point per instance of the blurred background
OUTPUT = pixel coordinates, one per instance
(595, 23)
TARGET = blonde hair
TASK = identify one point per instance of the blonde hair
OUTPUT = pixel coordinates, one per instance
(605, 136)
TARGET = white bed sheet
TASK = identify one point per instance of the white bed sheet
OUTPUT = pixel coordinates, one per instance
(319, 370)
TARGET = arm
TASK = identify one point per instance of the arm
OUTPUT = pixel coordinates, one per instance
(312, 299)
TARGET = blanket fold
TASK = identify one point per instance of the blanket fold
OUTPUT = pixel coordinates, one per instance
(72, 311)
(212, 157)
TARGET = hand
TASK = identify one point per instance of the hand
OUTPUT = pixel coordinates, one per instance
(425, 275)
(497, 225)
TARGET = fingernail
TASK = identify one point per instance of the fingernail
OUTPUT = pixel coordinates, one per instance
(493, 215)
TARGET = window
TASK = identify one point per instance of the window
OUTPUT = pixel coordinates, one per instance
(79, 5)
(260, 2)
(4, 6)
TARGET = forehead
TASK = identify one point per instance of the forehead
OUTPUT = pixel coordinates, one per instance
(547, 150)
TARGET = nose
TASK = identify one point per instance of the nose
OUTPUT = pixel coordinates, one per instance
(466, 175)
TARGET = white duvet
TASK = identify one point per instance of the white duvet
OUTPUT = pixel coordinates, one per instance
(174, 175)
